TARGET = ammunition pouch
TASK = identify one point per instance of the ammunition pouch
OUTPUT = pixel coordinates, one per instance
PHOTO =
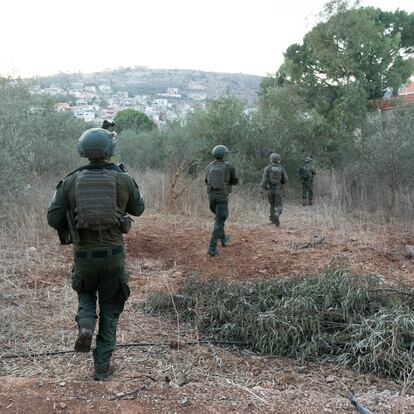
(125, 224)
(64, 236)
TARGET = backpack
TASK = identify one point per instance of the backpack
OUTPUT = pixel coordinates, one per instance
(96, 201)
(306, 172)
(275, 174)
(216, 176)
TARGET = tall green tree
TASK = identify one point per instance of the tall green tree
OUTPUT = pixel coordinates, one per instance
(133, 120)
(222, 122)
(364, 48)
(282, 126)
(344, 66)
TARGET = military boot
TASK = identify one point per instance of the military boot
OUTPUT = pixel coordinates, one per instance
(84, 340)
(304, 202)
(212, 251)
(102, 371)
(310, 202)
(225, 241)
(275, 220)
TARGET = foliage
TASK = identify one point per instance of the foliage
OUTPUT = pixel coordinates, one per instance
(53, 138)
(34, 137)
(389, 144)
(133, 120)
(336, 316)
(359, 48)
(321, 102)
(141, 150)
(14, 113)
(388, 152)
(282, 127)
(182, 162)
(344, 65)
(223, 122)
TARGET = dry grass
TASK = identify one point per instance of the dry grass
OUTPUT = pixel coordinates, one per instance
(38, 309)
(25, 260)
(342, 200)
(24, 220)
(337, 205)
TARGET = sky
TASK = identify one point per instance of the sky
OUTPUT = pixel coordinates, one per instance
(44, 37)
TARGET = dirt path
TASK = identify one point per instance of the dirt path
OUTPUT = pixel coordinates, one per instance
(162, 252)
(262, 250)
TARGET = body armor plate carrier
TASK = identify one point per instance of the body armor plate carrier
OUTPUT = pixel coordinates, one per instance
(216, 176)
(306, 172)
(96, 203)
(275, 174)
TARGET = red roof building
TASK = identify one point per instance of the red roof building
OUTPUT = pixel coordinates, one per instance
(407, 89)
(405, 97)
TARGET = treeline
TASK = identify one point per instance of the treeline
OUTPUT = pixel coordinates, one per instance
(325, 101)
(34, 138)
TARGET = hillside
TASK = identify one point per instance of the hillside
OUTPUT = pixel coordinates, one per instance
(146, 81)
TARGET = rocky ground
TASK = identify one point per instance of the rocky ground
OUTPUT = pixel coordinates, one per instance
(37, 307)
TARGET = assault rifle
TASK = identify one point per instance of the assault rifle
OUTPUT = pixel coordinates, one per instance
(70, 218)
(68, 233)
(107, 124)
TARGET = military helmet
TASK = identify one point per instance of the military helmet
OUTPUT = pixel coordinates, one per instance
(97, 143)
(219, 151)
(308, 159)
(275, 158)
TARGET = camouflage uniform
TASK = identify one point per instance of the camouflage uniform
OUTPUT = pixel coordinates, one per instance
(218, 198)
(274, 177)
(98, 271)
(306, 174)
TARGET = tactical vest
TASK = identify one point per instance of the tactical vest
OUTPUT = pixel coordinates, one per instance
(306, 171)
(275, 174)
(96, 201)
(216, 177)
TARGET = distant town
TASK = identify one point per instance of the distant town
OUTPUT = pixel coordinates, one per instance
(96, 97)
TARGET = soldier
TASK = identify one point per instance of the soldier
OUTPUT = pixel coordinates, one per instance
(306, 174)
(274, 177)
(89, 208)
(220, 177)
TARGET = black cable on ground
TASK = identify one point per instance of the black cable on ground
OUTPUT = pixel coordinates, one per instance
(173, 344)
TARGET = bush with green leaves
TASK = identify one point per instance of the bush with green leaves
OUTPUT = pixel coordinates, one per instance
(34, 138)
(141, 150)
(336, 316)
(131, 119)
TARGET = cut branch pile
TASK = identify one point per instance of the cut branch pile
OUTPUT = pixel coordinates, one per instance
(339, 317)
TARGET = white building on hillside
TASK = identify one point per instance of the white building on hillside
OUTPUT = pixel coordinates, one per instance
(105, 88)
